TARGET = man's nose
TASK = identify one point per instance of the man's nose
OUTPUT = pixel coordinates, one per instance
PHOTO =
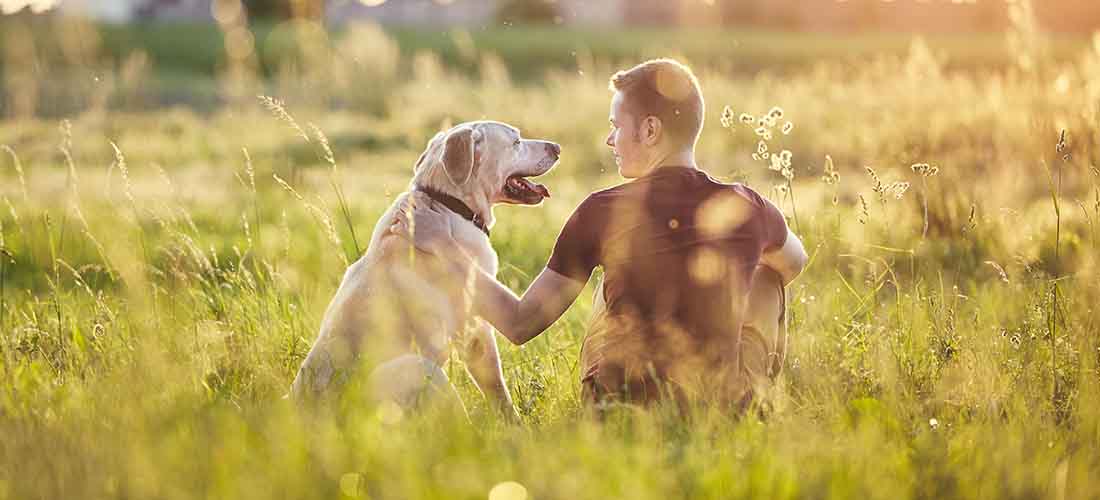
(554, 149)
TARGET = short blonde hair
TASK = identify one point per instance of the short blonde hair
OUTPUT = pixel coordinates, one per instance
(667, 89)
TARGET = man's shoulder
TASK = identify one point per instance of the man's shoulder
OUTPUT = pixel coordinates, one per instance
(744, 191)
(603, 196)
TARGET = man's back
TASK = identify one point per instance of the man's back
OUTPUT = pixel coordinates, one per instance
(678, 251)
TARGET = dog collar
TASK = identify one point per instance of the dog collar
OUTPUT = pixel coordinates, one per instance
(457, 206)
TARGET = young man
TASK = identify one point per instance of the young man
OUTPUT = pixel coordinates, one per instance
(687, 261)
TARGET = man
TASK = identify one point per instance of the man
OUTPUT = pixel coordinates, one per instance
(680, 253)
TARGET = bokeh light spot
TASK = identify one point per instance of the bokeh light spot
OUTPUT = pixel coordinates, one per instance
(721, 214)
(508, 490)
(707, 266)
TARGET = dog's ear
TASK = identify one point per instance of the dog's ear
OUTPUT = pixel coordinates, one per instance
(431, 145)
(459, 154)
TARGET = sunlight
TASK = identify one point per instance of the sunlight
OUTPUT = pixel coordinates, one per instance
(36, 6)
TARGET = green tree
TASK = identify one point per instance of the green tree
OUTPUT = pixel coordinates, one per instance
(285, 9)
(527, 12)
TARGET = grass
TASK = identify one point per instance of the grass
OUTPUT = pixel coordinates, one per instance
(160, 296)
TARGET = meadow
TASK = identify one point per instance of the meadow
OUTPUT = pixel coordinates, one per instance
(166, 259)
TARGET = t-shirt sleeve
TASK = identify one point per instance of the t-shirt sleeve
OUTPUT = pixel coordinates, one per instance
(773, 225)
(576, 252)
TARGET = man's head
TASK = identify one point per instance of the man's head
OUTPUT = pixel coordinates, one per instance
(657, 110)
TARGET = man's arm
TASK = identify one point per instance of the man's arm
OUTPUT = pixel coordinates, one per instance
(787, 260)
(521, 319)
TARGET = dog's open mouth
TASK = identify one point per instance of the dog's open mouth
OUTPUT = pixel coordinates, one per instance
(520, 190)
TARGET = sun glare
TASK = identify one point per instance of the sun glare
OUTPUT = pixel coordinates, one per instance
(36, 6)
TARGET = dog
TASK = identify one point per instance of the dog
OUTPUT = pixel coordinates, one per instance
(398, 312)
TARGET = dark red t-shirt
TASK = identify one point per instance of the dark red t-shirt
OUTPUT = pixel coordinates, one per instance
(678, 250)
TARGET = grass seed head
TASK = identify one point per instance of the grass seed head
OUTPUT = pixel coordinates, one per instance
(278, 109)
(323, 141)
(1000, 270)
(66, 128)
(120, 162)
(18, 169)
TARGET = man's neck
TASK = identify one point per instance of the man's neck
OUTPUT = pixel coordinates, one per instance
(682, 158)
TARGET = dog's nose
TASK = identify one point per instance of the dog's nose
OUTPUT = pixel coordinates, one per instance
(553, 148)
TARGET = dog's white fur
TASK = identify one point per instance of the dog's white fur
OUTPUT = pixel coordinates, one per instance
(397, 311)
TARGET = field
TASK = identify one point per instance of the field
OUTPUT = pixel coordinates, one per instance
(170, 241)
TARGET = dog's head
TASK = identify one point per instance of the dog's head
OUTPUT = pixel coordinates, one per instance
(484, 163)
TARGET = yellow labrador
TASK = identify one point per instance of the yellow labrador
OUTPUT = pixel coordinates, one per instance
(397, 311)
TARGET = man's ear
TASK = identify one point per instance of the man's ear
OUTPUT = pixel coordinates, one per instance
(431, 144)
(458, 154)
(651, 129)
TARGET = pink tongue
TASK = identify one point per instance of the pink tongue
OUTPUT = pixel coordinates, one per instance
(538, 188)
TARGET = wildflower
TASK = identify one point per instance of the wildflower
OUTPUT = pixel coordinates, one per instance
(776, 113)
(831, 175)
(761, 147)
(747, 119)
(924, 169)
(897, 189)
(787, 127)
(786, 156)
(767, 121)
(727, 117)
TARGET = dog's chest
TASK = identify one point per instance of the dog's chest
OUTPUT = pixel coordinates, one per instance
(457, 289)
(475, 243)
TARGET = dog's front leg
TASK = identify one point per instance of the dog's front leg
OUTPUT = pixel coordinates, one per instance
(483, 363)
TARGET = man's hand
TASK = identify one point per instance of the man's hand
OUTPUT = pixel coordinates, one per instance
(420, 222)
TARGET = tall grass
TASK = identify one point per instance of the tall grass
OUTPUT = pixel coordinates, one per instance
(152, 322)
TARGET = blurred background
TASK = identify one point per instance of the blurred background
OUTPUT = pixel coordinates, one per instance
(61, 56)
(184, 182)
